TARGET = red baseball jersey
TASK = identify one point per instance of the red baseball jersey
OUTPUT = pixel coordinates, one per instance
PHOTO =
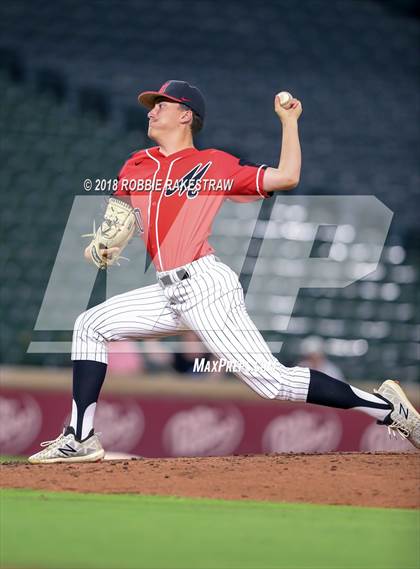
(177, 197)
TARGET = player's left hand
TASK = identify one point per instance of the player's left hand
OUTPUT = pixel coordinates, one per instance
(292, 112)
(110, 254)
(112, 235)
(107, 256)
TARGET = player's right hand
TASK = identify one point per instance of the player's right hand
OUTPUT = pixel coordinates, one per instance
(293, 112)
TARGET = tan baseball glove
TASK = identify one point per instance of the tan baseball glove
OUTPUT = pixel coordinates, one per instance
(112, 236)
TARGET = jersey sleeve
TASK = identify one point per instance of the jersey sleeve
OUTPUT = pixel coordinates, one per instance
(247, 179)
(123, 192)
(120, 192)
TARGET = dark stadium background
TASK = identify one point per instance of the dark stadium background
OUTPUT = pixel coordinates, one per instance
(70, 72)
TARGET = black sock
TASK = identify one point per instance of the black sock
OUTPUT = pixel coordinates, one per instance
(88, 378)
(325, 390)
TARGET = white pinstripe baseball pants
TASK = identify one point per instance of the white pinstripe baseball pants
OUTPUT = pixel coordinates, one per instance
(211, 303)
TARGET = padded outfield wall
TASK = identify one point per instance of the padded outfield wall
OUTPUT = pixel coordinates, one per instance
(162, 416)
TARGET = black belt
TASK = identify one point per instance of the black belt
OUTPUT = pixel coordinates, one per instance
(182, 274)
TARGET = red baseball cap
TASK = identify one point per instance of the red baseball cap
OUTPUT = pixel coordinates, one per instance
(179, 92)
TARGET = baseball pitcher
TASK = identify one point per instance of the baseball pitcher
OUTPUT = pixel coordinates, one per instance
(171, 194)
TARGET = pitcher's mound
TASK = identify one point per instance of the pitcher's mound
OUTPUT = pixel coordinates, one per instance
(362, 479)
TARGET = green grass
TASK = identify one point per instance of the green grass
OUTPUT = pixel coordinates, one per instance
(68, 530)
(8, 458)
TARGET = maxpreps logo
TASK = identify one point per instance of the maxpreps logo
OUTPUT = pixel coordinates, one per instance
(189, 183)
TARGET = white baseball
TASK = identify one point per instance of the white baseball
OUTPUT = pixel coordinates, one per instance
(284, 98)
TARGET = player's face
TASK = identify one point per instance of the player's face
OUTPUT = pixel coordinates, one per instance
(164, 117)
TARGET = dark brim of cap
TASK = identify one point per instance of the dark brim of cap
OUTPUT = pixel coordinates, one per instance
(148, 98)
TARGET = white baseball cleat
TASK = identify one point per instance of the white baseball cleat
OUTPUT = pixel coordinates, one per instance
(66, 448)
(403, 419)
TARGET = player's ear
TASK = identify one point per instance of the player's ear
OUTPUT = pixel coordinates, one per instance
(186, 116)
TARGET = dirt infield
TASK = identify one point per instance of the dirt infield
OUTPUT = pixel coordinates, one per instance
(363, 479)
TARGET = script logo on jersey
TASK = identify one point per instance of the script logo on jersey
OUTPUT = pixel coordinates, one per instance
(188, 183)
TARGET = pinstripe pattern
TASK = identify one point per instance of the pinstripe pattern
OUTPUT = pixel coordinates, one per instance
(211, 303)
(137, 314)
